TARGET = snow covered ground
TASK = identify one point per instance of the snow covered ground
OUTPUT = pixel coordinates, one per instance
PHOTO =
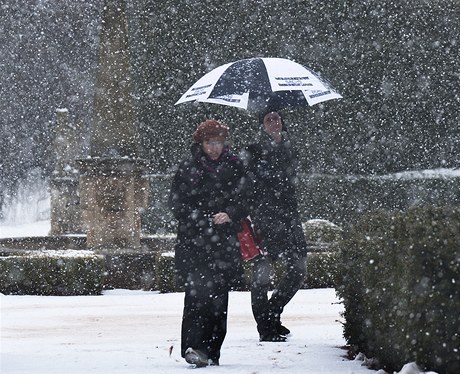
(38, 228)
(135, 332)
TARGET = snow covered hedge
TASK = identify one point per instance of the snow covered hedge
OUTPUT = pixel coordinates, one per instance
(52, 272)
(399, 280)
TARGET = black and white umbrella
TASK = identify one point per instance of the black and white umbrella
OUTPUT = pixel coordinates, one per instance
(257, 83)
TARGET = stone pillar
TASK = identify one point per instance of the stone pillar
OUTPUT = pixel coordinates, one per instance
(65, 208)
(113, 130)
(112, 187)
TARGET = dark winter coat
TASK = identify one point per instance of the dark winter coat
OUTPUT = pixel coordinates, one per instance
(271, 170)
(201, 188)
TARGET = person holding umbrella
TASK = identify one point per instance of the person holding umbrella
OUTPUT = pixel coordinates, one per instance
(205, 199)
(271, 168)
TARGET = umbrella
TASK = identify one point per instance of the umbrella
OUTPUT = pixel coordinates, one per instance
(257, 83)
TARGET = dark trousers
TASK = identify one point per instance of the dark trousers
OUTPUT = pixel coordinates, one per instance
(204, 321)
(267, 311)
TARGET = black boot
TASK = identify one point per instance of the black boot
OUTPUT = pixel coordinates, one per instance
(268, 332)
(281, 330)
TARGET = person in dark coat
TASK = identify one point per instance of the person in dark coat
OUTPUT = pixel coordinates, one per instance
(271, 168)
(205, 199)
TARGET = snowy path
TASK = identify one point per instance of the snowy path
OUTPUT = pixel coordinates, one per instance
(132, 332)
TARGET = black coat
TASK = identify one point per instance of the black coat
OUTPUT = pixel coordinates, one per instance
(271, 178)
(201, 188)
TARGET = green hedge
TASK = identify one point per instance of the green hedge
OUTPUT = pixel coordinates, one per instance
(52, 273)
(399, 276)
(72, 272)
(165, 273)
(130, 270)
(321, 271)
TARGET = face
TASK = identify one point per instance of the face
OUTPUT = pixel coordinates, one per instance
(272, 123)
(213, 147)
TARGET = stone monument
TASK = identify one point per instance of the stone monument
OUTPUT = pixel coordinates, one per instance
(65, 208)
(113, 188)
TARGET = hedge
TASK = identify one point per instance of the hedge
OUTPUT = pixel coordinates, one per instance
(399, 275)
(81, 272)
(60, 273)
(321, 272)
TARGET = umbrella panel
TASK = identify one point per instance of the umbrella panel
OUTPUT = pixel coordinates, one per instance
(241, 77)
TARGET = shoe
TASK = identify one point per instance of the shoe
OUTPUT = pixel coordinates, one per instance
(213, 362)
(282, 330)
(195, 357)
(273, 337)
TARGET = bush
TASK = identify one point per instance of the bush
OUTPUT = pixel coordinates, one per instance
(130, 270)
(60, 273)
(165, 272)
(321, 231)
(321, 270)
(398, 278)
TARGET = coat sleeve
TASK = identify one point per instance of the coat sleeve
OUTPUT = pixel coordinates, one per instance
(248, 188)
(237, 208)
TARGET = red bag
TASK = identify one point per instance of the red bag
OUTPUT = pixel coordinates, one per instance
(250, 241)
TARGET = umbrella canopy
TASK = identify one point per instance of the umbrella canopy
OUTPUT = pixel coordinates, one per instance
(257, 83)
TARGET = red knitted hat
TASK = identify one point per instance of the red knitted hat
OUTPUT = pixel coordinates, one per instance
(210, 129)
